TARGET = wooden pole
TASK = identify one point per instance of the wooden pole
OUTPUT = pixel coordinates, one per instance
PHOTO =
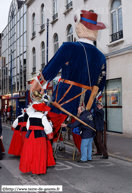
(55, 104)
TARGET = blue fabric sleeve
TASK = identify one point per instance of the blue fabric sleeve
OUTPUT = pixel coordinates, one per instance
(76, 130)
(75, 124)
(56, 63)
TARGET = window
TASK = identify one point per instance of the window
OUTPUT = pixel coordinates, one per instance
(42, 17)
(34, 60)
(25, 45)
(25, 23)
(21, 74)
(69, 4)
(56, 43)
(24, 70)
(116, 18)
(70, 34)
(68, 1)
(43, 55)
(33, 23)
(112, 98)
(55, 12)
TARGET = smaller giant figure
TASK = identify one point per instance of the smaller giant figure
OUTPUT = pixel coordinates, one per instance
(34, 156)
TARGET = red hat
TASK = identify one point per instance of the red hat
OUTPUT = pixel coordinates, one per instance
(89, 20)
(41, 107)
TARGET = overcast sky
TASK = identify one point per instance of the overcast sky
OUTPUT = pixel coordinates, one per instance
(4, 10)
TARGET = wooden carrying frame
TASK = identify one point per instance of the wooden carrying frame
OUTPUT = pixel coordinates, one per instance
(68, 142)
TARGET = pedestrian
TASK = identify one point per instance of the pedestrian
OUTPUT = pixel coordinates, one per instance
(1, 137)
(34, 155)
(86, 133)
(99, 126)
(83, 70)
(4, 115)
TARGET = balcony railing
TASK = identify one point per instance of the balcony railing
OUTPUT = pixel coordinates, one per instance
(34, 69)
(69, 5)
(116, 36)
(55, 16)
(34, 33)
(42, 27)
(42, 65)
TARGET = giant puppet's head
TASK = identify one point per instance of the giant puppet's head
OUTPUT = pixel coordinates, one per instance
(87, 25)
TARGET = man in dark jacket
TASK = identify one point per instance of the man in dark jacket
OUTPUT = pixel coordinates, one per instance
(86, 133)
(99, 126)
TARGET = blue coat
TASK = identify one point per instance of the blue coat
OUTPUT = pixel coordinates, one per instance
(99, 119)
(71, 60)
(85, 131)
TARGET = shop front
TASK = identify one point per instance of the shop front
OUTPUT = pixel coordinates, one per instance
(112, 101)
(13, 104)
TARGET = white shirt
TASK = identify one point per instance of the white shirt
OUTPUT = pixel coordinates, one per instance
(15, 123)
(85, 40)
(45, 122)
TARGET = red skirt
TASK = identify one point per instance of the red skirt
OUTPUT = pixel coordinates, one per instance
(34, 155)
(57, 120)
(16, 144)
(76, 138)
(23, 134)
(50, 157)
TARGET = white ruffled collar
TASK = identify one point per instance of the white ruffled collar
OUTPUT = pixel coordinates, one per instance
(85, 40)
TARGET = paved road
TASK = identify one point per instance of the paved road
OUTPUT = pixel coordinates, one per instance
(99, 176)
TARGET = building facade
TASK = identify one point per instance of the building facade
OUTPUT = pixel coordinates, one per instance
(14, 56)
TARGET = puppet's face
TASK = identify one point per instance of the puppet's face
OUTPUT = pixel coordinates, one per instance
(83, 32)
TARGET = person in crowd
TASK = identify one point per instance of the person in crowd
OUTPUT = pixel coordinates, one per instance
(86, 133)
(4, 115)
(1, 137)
(99, 126)
(34, 155)
(15, 147)
(83, 70)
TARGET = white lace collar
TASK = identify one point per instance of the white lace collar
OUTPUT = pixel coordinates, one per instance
(85, 40)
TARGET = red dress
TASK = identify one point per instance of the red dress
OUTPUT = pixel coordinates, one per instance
(57, 120)
(23, 126)
(16, 144)
(76, 138)
(37, 153)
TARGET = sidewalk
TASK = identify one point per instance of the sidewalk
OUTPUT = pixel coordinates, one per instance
(118, 145)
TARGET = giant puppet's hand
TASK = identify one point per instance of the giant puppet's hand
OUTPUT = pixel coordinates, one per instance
(36, 86)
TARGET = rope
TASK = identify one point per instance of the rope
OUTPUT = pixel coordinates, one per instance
(87, 63)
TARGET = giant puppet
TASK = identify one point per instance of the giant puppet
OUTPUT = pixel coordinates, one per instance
(83, 70)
